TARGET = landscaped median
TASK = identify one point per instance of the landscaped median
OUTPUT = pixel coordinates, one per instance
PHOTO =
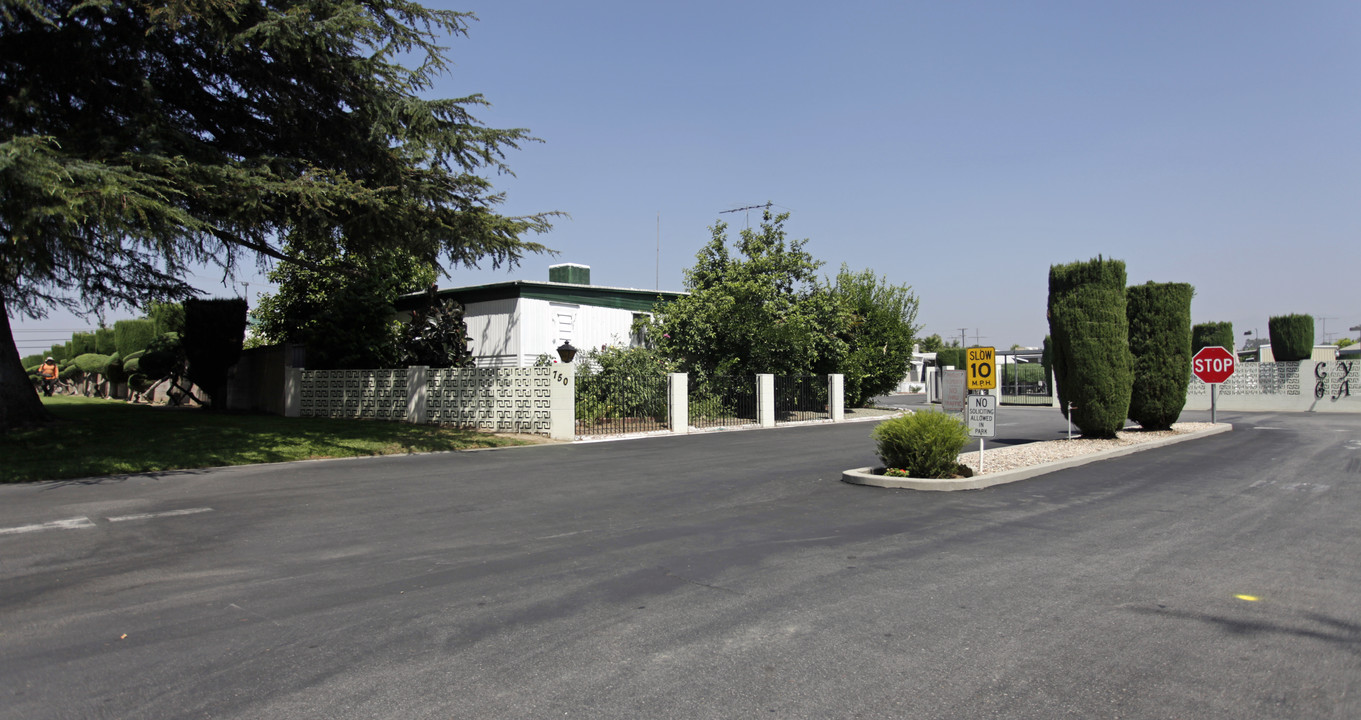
(1020, 462)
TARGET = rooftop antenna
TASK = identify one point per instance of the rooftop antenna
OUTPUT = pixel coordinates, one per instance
(748, 210)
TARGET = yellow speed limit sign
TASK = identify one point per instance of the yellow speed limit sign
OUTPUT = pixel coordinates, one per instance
(982, 368)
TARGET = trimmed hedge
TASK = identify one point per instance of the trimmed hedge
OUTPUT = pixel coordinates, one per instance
(91, 363)
(214, 331)
(106, 341)
(1089, 330)
(1160, 346)
(950, 356)
(82, 343)
(1212, 334)
(1292, 337)
(132, 336)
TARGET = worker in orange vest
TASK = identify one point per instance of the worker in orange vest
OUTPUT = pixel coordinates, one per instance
(48, 372)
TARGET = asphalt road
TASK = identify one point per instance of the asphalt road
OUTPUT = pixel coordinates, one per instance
(714, 576)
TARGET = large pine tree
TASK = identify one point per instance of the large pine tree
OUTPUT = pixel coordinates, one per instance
(139, 138)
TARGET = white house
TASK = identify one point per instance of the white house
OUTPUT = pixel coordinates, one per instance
(510, 324)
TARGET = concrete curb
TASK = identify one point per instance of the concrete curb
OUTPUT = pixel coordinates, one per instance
(866, 476)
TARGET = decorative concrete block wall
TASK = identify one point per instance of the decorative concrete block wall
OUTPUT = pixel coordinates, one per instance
(537, 400)
(1304, 386)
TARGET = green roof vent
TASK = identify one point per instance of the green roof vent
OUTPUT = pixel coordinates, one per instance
(570, 273)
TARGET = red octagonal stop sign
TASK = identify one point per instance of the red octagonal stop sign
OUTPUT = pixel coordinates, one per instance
(1213, 365)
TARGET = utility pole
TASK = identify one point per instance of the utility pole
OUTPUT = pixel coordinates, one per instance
(963, 339)
(1323, 329)
(977, 339)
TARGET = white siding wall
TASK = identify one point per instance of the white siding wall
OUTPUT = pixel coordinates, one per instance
(494, 332)
(545, 325)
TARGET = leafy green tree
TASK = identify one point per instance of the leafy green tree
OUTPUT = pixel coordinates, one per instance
(168, 316)
(761, 309)
(1089, 332)
(140, 139)
(1345, 342)
(1160, 346)
(932, 343)
(345, 320)
(879, 335)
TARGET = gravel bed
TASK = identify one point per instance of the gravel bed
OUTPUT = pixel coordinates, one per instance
(1019, 456)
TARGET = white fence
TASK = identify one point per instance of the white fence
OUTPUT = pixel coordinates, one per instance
(1303, 386)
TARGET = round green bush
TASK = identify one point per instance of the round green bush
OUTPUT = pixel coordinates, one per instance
(926, 444)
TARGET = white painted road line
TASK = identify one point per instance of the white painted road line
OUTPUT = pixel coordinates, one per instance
(67, 524)
(168, 513)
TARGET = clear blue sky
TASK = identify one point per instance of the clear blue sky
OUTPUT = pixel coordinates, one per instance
(958, 147)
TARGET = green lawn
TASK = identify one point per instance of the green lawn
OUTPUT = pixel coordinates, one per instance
(108, 437)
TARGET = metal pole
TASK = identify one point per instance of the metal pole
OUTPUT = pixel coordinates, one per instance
(980, 456)
(1214, 396)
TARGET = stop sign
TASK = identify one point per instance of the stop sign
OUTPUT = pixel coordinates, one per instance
(1213, 365)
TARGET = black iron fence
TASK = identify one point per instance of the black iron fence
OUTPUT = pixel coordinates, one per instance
(800, 398)
(1024, 384)
(617, 403)
(722, 401)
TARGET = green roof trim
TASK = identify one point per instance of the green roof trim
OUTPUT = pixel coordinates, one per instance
(594, 295)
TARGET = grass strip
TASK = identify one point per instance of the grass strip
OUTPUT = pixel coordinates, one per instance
(94, 437)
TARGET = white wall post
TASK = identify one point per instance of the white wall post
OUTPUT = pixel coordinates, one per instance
(678, 402)
(765, 399)
(416, 393)
(562, 396)
(292, 392)
(836, 396)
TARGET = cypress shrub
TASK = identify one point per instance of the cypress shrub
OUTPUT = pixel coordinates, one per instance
(1160, 346)
(950, 356)
(1212, 334)
(114, 371)
(1292, 337)
(163, 357)
(82, 343)
(1047, 359)
(1089, 329)
(214, 331)
(168, 317)
(106, 342)
(132, 336)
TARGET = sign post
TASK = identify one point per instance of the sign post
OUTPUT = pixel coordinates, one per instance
(1213, 365)
(980, 416)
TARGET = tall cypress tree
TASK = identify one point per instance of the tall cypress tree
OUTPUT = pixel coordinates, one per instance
(1160, 348)
(1089, 329)
(1292, 337)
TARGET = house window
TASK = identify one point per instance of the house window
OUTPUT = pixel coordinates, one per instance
(638, 335)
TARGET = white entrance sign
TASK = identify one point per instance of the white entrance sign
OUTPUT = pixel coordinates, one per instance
(981, 415)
